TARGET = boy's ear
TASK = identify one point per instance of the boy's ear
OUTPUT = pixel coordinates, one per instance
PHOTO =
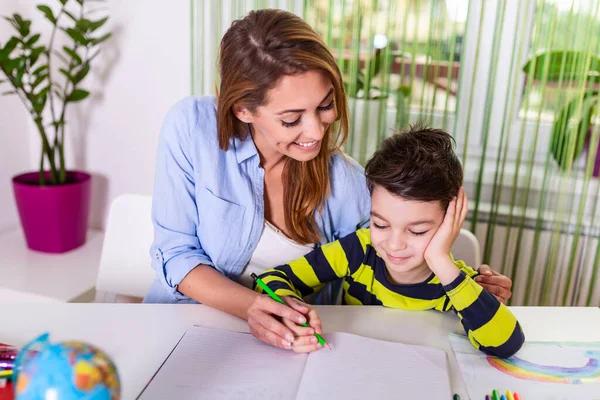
(243, 114)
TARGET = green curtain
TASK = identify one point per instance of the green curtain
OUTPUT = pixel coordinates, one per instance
(516, 84)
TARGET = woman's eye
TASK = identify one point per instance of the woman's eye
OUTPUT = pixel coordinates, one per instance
(291, 124)
(379, 226)
(327, 107)
(419, 233)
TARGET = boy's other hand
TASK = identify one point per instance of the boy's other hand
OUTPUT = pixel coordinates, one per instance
(444, 238)
(304, 339)
(494, 282)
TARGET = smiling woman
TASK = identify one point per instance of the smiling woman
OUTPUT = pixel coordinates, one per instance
(255, 177)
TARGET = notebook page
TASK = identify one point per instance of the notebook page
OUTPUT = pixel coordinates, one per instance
(219, 364)
(363, 368)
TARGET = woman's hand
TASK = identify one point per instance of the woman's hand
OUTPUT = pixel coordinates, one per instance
(494, 282)
(305, 341)
(265, 327)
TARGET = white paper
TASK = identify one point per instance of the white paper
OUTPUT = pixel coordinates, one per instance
(544, 371)
(363, 368)
(217, 364)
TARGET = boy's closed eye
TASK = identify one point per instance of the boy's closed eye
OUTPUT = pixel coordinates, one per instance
(377, 226)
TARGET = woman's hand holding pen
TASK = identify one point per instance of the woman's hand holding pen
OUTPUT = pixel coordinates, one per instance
(305, 341)
(265, 327)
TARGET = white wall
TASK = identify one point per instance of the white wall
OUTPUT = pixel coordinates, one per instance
(143, 69)
(14, 140)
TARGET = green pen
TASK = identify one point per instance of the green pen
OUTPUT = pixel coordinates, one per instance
(271, 293)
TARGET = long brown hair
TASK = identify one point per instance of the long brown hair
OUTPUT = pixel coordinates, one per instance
(256, 52)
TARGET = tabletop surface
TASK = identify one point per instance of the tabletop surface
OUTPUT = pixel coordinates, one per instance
(139, 337)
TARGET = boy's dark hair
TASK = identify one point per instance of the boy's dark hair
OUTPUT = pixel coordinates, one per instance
(417, 164)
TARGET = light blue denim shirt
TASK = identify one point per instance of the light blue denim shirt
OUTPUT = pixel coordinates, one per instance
(208, 205)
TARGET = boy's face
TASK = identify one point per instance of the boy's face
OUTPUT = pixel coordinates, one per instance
(400, 232)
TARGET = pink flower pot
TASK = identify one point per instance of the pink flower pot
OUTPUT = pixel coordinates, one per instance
(54, 218)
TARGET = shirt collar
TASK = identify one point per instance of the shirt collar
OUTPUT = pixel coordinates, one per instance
(244, 149)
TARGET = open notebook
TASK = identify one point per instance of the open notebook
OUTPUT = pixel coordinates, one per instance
(217, 364)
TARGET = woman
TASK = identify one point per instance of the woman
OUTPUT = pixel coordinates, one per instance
(257, 178)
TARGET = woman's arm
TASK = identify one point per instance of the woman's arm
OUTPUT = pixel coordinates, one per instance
(210, 287)
(181, 263)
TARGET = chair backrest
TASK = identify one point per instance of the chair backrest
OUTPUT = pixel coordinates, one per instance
(466, 248)
(125, 260)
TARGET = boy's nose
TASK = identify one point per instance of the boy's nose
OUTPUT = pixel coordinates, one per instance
(397, 244)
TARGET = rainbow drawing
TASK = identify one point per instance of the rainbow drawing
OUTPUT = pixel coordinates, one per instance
(519, 368)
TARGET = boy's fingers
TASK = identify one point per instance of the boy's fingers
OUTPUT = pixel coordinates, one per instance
(306, 344)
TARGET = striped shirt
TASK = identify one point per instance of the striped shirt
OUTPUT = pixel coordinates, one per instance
(489, 324)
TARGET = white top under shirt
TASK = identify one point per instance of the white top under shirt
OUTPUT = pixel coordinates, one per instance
(273, 249)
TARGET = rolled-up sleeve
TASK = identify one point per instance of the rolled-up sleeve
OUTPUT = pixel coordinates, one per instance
(176, 249)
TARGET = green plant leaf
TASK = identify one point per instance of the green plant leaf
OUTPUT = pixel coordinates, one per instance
(404, 90)
(48, 13)
(35, 54)
(83, 25)
(22, 25)
(31, 41)
(9, 93)
(81, 74)
(78, 95)
(70, 15)
(569, 61)
(8, 48)
(43, 92)
(97, 24)
(66, 73)
(73, 55)
(40, 69)
(19, 76)
(101, 39)
(10, 65)
(39, 80)
(570, 129)
(77, 36)
(58, 94)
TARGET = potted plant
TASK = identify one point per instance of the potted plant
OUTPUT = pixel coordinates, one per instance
(574, 122)
(367, 100)
(53, 202)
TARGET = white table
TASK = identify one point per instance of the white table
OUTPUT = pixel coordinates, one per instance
(32, 276)
(140, 336)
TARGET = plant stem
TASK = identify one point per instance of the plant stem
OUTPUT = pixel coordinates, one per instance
(50, 92)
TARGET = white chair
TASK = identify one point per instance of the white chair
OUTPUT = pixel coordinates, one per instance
(466, 248)
(125, 270)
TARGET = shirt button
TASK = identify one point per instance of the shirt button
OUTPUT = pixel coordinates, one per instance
(157, 256)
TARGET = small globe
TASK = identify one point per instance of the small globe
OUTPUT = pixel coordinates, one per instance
(69, 370)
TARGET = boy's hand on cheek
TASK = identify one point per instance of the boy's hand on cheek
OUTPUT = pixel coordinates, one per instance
(304, 339)
(437, 253)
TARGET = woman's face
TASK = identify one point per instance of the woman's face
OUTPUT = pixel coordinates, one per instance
(294, 120)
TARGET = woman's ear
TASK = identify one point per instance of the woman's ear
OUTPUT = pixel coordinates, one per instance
(243, 114)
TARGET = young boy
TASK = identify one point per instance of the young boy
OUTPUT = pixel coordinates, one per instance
(403, 261)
